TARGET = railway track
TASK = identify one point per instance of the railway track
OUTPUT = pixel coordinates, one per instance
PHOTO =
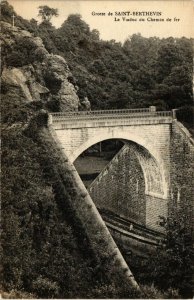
(131, 229)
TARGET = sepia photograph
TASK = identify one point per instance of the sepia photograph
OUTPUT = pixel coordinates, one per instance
(97, 155)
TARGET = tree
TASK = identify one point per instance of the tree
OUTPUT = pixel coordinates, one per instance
(46, 13)
(7, 11)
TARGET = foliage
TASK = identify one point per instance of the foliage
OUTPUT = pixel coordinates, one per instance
(46, 13)
(152, 292)
(35, 231)
(185, 115)
(45, 250)
(22, 53)
(139, 73)
(169, 269)
(7, 11)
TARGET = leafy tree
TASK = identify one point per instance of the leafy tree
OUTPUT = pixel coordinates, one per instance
(46, 13)
(175, 259)
(168, 57)
(7, 11)
(170, 268)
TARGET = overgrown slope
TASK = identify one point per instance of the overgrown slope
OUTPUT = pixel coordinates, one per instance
(46, 252)
(40, 251)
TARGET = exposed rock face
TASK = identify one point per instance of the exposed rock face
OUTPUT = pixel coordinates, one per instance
(45, 77)
(15, 77)
(56, 75)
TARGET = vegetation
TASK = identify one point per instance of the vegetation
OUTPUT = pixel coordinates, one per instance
(139, 73)
(43, 245)
(46, 13)
(45, 250)
(170, 268)
(39, 246)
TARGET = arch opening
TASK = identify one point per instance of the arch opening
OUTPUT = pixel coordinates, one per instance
(156, 183)
(130, 184)
(93, 160)
(137, 139)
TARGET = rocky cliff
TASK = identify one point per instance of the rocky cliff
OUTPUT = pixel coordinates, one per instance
(28, 69)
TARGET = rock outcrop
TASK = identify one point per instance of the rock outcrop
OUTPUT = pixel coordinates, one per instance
(43, 76)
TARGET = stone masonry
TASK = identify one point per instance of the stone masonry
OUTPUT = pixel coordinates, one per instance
(182, 174)
(152, 171)
(151, 134)
(120, 188)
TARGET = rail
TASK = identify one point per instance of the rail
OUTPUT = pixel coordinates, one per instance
(100, 112)
(108, 114)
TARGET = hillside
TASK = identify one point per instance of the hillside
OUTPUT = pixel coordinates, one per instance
(46, 253)
(139, 73)
(42, 256)
(45, 249)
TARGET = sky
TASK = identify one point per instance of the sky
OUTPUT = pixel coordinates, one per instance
(177, 16)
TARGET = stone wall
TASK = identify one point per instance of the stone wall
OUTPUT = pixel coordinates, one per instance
(156, 211)
(182, 173)
(120, 188)
(78, 136)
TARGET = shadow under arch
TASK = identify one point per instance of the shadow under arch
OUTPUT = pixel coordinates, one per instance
(156, 183)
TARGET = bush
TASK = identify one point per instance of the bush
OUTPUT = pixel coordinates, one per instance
(152, 292)
(15, 294)
(40, 54)
(45, 288)
(23, 53)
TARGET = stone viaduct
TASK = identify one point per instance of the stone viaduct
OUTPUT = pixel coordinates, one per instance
(155, 139)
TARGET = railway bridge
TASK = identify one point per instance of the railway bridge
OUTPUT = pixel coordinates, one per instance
(147, 172)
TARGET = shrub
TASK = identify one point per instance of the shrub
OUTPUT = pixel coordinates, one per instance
(45, 288)
(22, 52)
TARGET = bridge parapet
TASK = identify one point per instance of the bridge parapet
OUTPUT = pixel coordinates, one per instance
(123, 115)
(101, 112)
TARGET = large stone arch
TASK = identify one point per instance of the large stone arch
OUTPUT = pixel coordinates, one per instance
(151, 163)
